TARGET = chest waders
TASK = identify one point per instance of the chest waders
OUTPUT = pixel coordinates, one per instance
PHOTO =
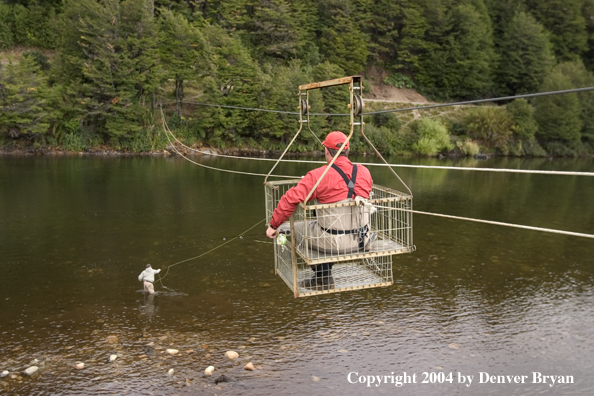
(360, 232)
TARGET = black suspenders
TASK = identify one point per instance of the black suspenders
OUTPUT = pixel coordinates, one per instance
(361, 232)
(349, 182)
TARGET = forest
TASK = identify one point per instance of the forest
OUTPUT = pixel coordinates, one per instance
(84, 75)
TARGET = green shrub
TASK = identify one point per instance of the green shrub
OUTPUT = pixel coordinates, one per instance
(490, 125)
(40, 59)
(387, 120)
(524, 125)
(432, 135)
(35, 26)
(533, 149)
(6, 24)
(560, 149)
(73, 142)
(468, 147)
(386, 141)
(399, 80)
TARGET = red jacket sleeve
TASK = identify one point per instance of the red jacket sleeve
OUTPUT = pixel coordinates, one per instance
(289, 201)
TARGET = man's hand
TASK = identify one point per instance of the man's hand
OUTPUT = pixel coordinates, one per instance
(271, 232)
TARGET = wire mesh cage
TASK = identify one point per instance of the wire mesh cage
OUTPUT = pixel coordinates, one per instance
(346, 245)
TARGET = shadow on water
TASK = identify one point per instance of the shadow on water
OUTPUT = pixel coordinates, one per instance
(76, 232)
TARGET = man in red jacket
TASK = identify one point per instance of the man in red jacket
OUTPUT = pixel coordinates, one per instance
(336, 231)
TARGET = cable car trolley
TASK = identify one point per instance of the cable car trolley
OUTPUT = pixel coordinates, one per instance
(376, 228)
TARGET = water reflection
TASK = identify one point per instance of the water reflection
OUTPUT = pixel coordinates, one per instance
(472, 298)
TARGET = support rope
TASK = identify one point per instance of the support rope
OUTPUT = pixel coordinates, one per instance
(468, 102)
(168, 131)
(504, 170)
(550, 230)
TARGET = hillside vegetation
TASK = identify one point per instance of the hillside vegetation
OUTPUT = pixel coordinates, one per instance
(85, 74)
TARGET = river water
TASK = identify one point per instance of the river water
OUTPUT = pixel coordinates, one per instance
(473, 301)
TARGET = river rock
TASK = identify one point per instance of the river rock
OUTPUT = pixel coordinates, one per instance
(231, 355)
(31, 370)
(209, 370)
(4, 374)
(249, 366)
(224, 378)
(113, 358)
(79, 366)
(172, 351)
(170, 372)
(112, 339)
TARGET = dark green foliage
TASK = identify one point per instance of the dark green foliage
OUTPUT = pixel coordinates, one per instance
(558, 116)
(580, 78)
(28, 106)
(41, 60)
(399, 80)
(588, 13)
(387, 120)
(490, 125)
(462, 63)
(35, 25)
(183, 49)
(341, 41)
(386, 141)
(524, 125)
(564, 19)
(109, 63)
(413, 44)
(526, 56)
(6, 26)
(117, 59)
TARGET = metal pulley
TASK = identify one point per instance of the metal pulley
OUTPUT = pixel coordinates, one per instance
(304, 107)
(357, 105)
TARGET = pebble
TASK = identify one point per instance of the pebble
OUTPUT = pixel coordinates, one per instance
(170, 372)
(249, 366)
(31, 370)
(231, 355)
(315, 379)
(113, 358)
(4, 373)
(112, 339)
(172, 351)
(79, 366)
(209, 370)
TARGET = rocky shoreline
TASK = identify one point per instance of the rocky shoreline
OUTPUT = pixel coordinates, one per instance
(169, 151)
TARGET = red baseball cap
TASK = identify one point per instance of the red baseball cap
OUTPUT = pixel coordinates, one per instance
(335, 140)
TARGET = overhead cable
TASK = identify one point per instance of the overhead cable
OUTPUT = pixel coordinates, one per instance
(468, 102)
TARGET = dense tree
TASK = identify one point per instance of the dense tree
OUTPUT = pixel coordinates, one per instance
(341, 40)
(109, 63)
(524, 125)
(412, 44)
(581, 78)
(28, 105)
(588, 13)
(184, 51)
(526, 56)
(461, 65)
(35, 25)
(558, 116)
(564, 19)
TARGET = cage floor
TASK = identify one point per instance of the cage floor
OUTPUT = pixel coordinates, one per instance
(377, 246)
(347, 277)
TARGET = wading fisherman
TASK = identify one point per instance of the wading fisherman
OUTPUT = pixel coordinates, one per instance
(148, 277)
(335, 230)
